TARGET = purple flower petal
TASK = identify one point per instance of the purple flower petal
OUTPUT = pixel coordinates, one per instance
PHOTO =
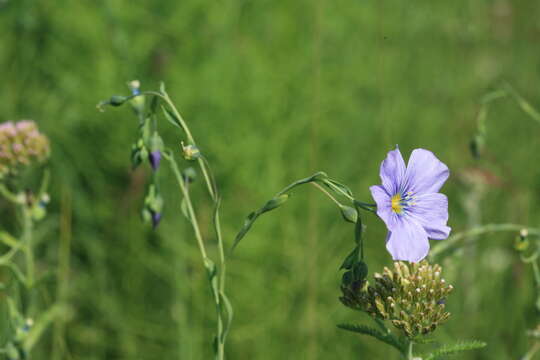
(392, 171)
(431, 211)
(384, 205)
(156, 218)
(408, 241)
(155, 159)
(425, 173)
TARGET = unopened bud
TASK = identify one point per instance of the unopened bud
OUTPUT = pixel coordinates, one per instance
(190, 152)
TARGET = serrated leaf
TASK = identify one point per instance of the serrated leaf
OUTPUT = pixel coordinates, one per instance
(446, 350)
(388, 338)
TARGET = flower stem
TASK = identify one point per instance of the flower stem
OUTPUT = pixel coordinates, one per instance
(327, 194)
(456, 238)
(410, 355)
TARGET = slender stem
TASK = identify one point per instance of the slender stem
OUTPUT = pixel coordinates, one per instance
(454, 239)
(191, 212)
(29, 250)
(9, 195)
(327, 194)
(410, 355)
(190, 138)
(532, 351)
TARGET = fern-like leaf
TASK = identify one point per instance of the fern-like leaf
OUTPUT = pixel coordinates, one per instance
(446, 350)
(387, 338)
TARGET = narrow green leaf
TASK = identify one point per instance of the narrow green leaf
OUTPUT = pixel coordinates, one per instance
(184, 209)
(8, 239)
(170, 117)
(274, 203)
(338, 187)
(446, 350)
(42, 324)
(388, 338)
(350, 259)
(248, 222)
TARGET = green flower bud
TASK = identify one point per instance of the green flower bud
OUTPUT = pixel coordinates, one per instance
(275, 202)
(117, 100)
(349, 214)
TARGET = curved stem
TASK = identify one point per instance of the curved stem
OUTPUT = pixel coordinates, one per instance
(456, 238)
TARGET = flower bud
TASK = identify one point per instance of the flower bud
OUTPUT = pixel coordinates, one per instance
(189, 174)
(190, 152)
(275, 202)
(156, 218)
(155, 158)
(117, 100)
(349, 214)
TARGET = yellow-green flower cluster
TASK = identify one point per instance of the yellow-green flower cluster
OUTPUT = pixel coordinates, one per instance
(21, 143)
(411, 295)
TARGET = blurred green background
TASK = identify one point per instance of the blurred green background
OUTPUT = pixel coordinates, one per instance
(273, 91)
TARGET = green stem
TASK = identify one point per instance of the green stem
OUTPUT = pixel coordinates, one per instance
(190, 138)
(29, 250)
(191, 212)
(327, 194)
(194, 223)
(456, 238)
(410, 355)
(9, 195)
(532, 351)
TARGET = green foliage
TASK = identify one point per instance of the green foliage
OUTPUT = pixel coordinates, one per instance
(274, 90)
(449, 350)
(387, 338)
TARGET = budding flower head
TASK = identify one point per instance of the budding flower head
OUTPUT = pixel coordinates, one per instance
(21, 144)
(191, 152)
(407, 295)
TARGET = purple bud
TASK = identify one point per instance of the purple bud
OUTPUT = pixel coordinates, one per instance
(155, 159)
(156, 218)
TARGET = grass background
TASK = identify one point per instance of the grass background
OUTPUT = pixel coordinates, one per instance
(273, 91)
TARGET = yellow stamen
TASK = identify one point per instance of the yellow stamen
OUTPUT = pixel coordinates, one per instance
(396, 203)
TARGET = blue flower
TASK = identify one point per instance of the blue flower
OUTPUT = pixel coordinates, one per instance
(409, 203)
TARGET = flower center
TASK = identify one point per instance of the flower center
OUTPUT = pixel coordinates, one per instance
(400, 202)
(396, 203)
